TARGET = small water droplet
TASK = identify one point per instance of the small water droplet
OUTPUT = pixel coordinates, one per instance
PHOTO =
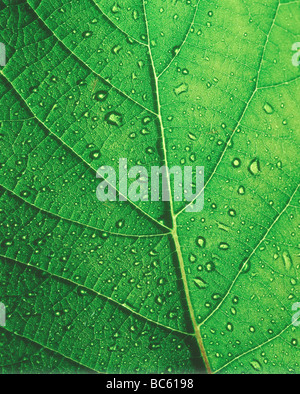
(236, 163)
(175, 51)
(87, 34)
(101, 95)
(120, 223)
(192, 258)
(95, 155)
(294, 342)
(231, 212)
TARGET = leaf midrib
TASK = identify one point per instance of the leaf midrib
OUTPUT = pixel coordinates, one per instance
(172, 212)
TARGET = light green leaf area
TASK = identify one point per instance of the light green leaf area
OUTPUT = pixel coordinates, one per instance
(133, 287)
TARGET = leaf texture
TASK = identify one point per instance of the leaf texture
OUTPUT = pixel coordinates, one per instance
(133, 287)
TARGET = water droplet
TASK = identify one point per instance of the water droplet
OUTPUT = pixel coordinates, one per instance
(159, 300)
(245, 267)
(182, 88)
(150, 150)
(172, 315)
(115, 8)
(192, 136)
(223, 227)
(135, 15)
(192, 258)
(200, 283)
(120, 223)
(146, 120)
(114, 118)
(95, 155)
(256, 365)
(268, 108)
(233, 310)
(7, 243)
(210, 267)
(116, 49)
(294, 342)
(145, 132)
(101, 95)
(175, 51)
(231, 212)
(201, 242)
(82, 292)
(25, 193)
(224, 246)
(241, 190)
(288, 263)
(236, 163)
(87, 34)
(104, 235)
(254, 167)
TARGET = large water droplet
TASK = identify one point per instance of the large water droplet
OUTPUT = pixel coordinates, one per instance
(241, 190)
(224, 246)
(256, 365)
(288, 263)
(114, 118)
(182, 88)
(201, 242)
(200, 283)
(254, 167)
(268, 109)
(116, 49)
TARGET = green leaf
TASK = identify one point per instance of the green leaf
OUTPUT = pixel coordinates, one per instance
(127, 286)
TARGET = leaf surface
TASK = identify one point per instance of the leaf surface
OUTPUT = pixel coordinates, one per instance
(147, 286)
